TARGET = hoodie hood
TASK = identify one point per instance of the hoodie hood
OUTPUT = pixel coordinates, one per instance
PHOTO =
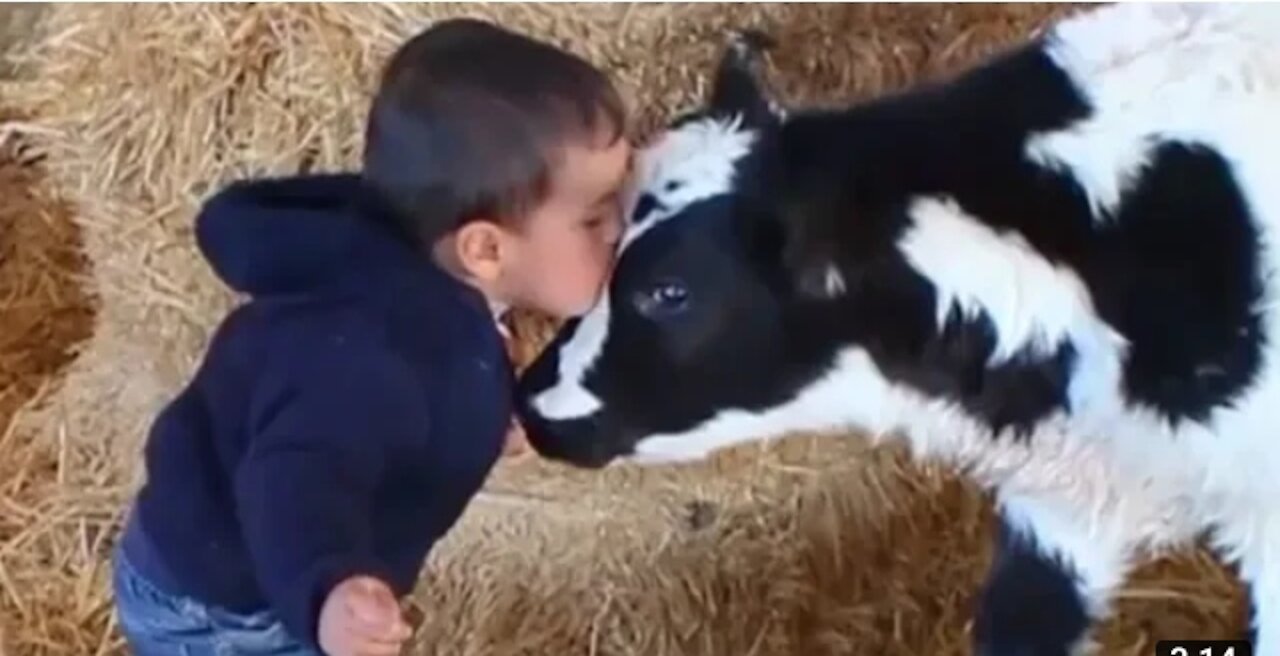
(296, 235)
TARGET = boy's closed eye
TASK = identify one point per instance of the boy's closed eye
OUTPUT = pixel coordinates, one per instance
(603, 213)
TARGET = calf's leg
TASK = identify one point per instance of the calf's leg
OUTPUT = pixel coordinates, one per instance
(1050, 578)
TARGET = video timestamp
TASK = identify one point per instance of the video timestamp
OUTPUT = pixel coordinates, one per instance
(1204, 648)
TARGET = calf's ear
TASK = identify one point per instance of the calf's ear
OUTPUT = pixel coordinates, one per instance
(738, 88)
(812, 223)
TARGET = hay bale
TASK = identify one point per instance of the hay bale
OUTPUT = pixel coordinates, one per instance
(19, 26)
(43, 314)
(808, 545)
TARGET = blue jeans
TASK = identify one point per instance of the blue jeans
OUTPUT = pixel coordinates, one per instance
(159, 624)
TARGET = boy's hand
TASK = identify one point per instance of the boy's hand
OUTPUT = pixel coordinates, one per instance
(361, 617)
(516, 441)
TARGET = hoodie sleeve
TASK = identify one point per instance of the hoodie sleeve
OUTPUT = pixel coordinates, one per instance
(323, 424)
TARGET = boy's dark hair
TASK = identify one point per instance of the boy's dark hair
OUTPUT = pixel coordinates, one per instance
(467, 119)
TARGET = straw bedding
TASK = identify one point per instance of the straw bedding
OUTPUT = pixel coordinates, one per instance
(810, 545)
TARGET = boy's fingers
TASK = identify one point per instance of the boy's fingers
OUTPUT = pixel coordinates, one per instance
(516, 442)
(376, 648)
(376, 612)
(397, 632)
(391, 634)
(360, 643)
(372, 603)
(375, 644)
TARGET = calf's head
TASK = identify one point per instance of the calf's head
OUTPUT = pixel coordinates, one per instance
(697, 336)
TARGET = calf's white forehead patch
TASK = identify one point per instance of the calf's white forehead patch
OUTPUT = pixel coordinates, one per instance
(682, 167)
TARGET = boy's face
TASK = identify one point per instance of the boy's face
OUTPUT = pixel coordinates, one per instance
(562, 254)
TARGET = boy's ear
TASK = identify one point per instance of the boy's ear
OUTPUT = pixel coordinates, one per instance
(738, 87)
(478, 248)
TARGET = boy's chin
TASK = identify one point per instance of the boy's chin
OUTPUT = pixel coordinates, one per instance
(567, 311)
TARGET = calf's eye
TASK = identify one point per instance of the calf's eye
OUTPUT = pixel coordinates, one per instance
(663, 298)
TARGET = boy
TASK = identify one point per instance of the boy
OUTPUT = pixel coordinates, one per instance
(344, 417)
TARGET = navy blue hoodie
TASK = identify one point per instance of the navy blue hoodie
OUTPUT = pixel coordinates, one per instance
(341, 419)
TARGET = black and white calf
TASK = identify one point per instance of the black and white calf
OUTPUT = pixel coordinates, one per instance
(1056, 270)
